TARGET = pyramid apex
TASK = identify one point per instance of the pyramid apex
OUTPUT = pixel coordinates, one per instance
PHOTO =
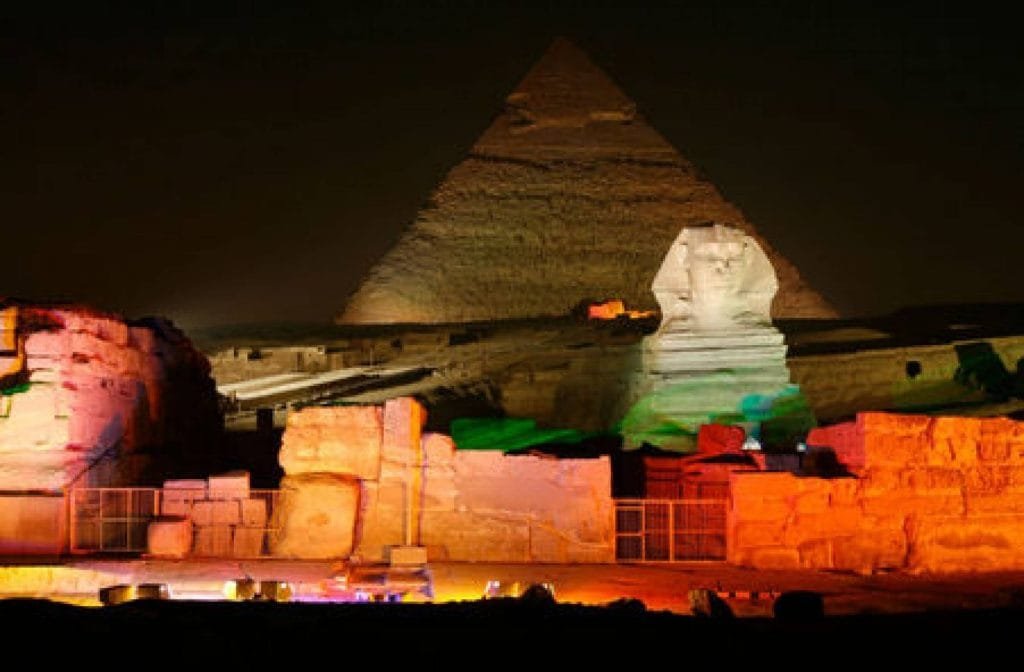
(566, 104)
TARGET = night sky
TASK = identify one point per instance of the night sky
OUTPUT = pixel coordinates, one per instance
(251, 165)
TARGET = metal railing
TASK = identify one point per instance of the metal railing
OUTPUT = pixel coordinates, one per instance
(116, 520)
(670, 530)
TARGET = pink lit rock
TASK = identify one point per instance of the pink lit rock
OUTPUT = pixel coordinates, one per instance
(92, 396)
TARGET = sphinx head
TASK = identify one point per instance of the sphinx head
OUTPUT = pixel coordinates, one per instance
(714, 278)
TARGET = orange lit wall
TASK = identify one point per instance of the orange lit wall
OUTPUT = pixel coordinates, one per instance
(927, 494)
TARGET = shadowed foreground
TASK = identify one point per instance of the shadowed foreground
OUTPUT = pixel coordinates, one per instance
(498, 630)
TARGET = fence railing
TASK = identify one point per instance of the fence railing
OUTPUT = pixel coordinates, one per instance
(670, 530)
(116, 520)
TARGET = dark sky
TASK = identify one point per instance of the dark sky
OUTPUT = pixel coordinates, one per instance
(250, 165)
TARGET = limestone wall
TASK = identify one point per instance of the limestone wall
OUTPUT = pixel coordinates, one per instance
(932, 494)
(417, 489)
(89, 389)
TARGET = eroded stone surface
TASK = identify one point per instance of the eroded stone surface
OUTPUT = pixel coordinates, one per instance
(930, 494)
(90, 389)
(333, 439)
(317, 516)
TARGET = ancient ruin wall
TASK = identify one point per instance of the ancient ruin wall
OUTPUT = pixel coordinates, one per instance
(926, 494)
(413, 488)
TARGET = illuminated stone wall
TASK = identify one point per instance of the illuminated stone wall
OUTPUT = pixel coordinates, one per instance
(461, 505)
(926, 494)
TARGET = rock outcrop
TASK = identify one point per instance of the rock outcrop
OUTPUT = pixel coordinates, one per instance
(83, 394)
(569, 197)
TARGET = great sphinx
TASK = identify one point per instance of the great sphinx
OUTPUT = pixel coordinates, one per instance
(716, 357)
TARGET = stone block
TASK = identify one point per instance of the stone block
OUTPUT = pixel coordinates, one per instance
(816, 554)
(747, 534)
(383, 519)
(757, 508)
(1010, 500)
(880, 548)
(176, 507)
(932, 480)
(213, 542)
(32, 524)
(995, 449)
(812, 502)
(347, 441)
(254, 512)
(439, 492)
(881, 481)
(845, 492)
(987, 479)
(908, 503)
(976, 543)
(169, 537)
(762, 485)
(801, 528)
(188, 487)
(403, 421)
(226, 512)
(438, 450)
(481, 463)
(247, 542)
(232, 485)
(202, 513)
(469, 536)
(176, 497)
(316, 516)
(774, 558)
(398, 556)
(955, 441)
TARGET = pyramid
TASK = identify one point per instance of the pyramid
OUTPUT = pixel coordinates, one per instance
(569, 196)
